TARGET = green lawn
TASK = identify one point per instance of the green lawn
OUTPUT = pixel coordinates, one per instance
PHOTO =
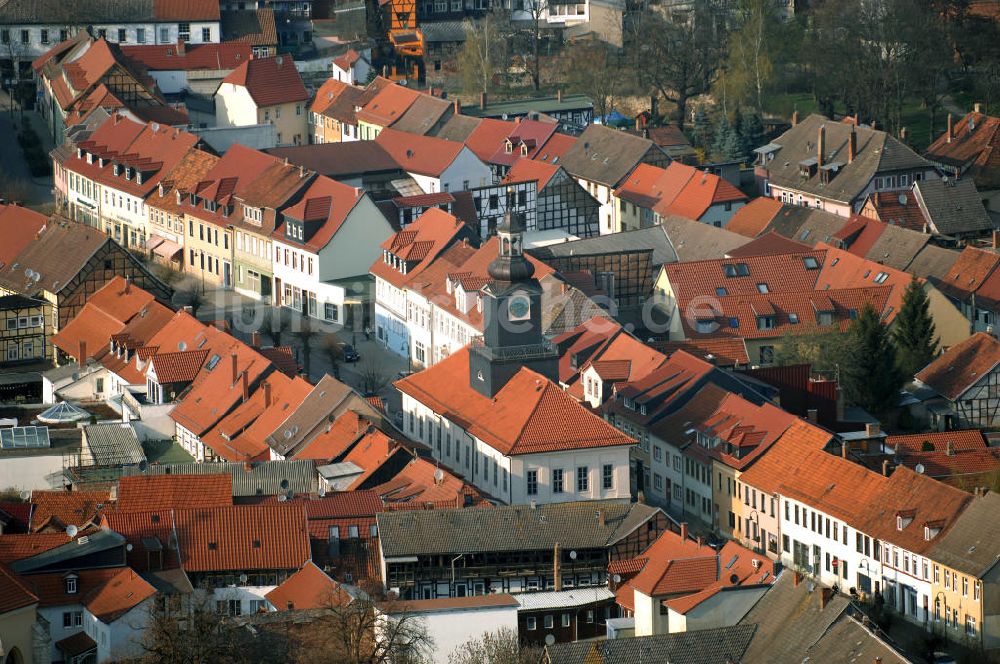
(783, 105)
(165, 451)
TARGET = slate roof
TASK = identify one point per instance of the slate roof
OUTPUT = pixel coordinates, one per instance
(877, 152)
(695, 241)
(932, 262)
(721, 645)
(953, 207)
(510, 528)
(807, 225)
(606, 156)
(270, 81)
(895, 246)
(423, 114)
(970, 545)
(113, 444)
(961, 366)
(20, 12)
(266, 478)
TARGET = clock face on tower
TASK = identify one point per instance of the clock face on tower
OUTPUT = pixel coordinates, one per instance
(519, 307)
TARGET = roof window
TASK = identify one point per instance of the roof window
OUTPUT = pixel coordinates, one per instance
(811, 263)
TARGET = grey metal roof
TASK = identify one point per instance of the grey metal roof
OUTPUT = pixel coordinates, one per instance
(509, 528)
(877, 152)
(95, 542)
(265, 478)
(654, 238)
(721, 645)
(444, 31)
(113, 444)
(537, 601)
(953, 206)
(970, 545)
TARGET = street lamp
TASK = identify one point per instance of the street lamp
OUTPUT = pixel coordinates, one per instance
(755, 538)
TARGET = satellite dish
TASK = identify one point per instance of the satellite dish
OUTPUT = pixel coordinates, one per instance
(572, 555)
(734, 579)
(243, 578)
(290, 494)
(617, 578)
(282, 498)
(322, 491)
(25, 495)
(919, 468)
(71, 530)
(143, 465)
(549, 639)
(128, 547)
(902, 199)
(438, 475)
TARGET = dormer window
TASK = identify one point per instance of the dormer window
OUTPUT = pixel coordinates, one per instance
(903, 520)
(824, 318)
(71, 581)
(629, 403)
(138, 177)
(79, 153)
(524, 150)
(116, 169)
(128, 173)
(100, 162)
(90, 158)
(508, 147)
(766, 322)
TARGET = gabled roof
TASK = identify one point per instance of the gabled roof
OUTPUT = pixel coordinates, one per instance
(417, 483)
(328, 93)
(529, 415)
(877, 152)
(844, 270)
(189, 57)
(423, 115)
(905, 444)
(19, 227)
(388, 106)
(953, 206)
(606, 156)
(969, 546)
(719, 645)
(770, 243)
(960, 367)
(923, 502)
(573, 525)
(14, 594)
(308, 588)
(483, 135)
(119, 595)
(246, 537)
(973, 147)
(58, 509)
(255, 27)
(424, 155)
(897, 208)
(969, 272)
(270, 81)
(326, 202)
(528, 170)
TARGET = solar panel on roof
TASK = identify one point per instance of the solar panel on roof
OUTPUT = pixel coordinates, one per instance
(24, 438)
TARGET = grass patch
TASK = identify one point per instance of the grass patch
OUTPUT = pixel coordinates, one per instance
(784, 105)
(165, 451)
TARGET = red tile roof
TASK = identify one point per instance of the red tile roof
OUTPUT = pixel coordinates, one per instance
(325, 200)
(424, 155)
(737, 568)
(14, 594)
(58, 509)
(530, 414)
(970, 439)
(335, 440)
(119, 595)
(151, 536)
(14, 547)
(346, 60)
(677, 190)
(527, 170)
(796, 467)
(974, 148)
(964, 469)
(186, 10)
(555, 148)
(270, 81)
(308, 588)
(900, 209)
(179, 367)
(345, 504)
(753, 218)
(50, 588)
(388, 105)
(246, 537)
(19, 227)
(417, 483)
(150, 493)
(327, 94)
(722, 351)
(844, 270)
(419, 244)
(918, 497)
(969, 272)
(487, 135)
(189, 57)
(768, 244)
(961, 366)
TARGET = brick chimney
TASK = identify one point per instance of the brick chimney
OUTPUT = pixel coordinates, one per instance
(852, 144)
(267, 394)
(902, 134)
(951, 128)
(128, 285)
(824, 597)
(556, 571)
(246, 386)
(820, 146)
(559, 95)
(602, 518)
(236, 375)
(843, 449)
(684, 532)
(795, 118)
(885, 467)
(482, 100)
(255, 339)
(82, 357)
(872, 430)
(996, 239)
(458, 108)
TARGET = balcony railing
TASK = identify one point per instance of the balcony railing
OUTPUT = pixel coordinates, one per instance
(512, 353)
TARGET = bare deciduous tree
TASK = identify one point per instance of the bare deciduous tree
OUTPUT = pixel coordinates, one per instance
(274, 324)
(305, 332)
(499, 647)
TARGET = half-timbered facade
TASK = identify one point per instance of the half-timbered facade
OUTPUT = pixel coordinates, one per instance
(965, 385)
(25, 330)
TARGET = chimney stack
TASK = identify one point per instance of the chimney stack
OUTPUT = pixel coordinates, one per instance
(556, 571)
(812, 414)
(559, 95)
(885, 468)
(902, 134)
(128, 285)
(267, 394)
(951, 128)
(873, 430)
(951, 449)
(795, 118)
(852, 144)
(458, 108)
(684, 532)
(874, 124)
(824, 597)
(638, 123)
(820, 146)
(482, 100)
(246, 387)
(843, 449)
(700, 540)
(236, 375)
(82, 358)
(996, 239)
(255, 339)
(977, 108)
(602, 518)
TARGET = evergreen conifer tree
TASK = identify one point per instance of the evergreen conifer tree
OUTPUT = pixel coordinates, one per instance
(870, 376)
(914, 330)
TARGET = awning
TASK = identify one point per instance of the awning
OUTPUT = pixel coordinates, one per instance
(167, 249)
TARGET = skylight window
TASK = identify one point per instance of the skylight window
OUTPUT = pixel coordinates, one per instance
(762, 288)
(721, 292)
(793, 318)
(810, 262)
(214, 360)
(881, 277)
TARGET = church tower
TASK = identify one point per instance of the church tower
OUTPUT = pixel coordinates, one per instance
(512, 317)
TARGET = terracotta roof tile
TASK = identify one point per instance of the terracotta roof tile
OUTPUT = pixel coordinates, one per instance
(327, 94)
(529, 414)
(974, 148)
(723, 351)
(247, 537)
(324, 200)
(961, 366)
(308, 588)
(119, 595)
(969, 272)
(58, 509)
(487, 135)
(14, 594)
(14, 547)
(270, 81)
(970, 439)
(189, 57)
(151, 493)
(179, 367)
(900, 209)
(424, 155)
(416, 483)
(527, 170)
(50, 588)
(19, 226)
(388, 105)
(555, 148)
(768, 244)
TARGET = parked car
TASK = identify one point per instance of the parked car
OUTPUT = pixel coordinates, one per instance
(350, 354)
